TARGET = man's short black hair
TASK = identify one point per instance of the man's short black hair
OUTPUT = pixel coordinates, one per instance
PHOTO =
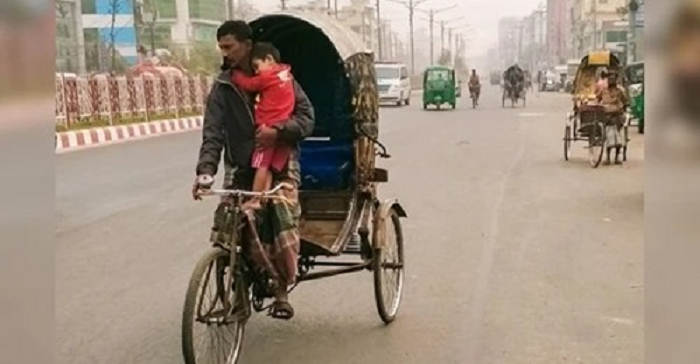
(239, 29)
(262, 49)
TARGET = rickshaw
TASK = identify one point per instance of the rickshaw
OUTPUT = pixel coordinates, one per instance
(341, 214)
(587, 120)
(634, 73)
(439, 87)
(512, 90)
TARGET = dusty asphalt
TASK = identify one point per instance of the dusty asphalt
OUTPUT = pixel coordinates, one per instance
(513, 255)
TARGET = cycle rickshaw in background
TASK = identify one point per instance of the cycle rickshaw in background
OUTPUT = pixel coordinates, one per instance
(588, 119)
(338, 193)
(513, 89)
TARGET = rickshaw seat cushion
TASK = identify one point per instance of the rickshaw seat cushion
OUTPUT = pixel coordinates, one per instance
(326, 165)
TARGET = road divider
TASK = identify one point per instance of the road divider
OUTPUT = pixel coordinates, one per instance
(94, 137)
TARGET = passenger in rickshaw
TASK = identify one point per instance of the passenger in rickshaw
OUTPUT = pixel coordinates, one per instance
(229, 126)
(475, 86)
(602, 79)
(273, 84)
(614, 101)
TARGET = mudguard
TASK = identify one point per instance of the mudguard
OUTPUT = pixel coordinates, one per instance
(380, 220)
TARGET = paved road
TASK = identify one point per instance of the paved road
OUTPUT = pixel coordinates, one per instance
(514, 256)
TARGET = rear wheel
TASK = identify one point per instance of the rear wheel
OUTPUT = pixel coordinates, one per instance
(207, 311)
(596, 144)
(388, 268)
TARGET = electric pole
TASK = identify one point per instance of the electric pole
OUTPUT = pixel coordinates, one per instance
(443, 26)
(431, 19)
(411, 5)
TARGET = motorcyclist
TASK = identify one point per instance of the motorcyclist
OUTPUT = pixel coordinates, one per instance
(474, 86)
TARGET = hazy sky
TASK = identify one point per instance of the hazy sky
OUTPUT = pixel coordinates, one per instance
(481, 15)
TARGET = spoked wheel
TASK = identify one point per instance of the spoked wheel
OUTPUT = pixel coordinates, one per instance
(567, 142)
(388, 268)
(206, 336)
(596, 144)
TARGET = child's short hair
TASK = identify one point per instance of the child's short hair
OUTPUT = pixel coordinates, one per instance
(262, 49)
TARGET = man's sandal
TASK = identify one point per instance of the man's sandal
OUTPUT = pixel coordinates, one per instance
(281, 310)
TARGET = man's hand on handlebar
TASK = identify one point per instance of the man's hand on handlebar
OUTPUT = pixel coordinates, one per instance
(201, 183)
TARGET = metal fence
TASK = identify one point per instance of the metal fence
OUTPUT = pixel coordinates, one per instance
(117, 99)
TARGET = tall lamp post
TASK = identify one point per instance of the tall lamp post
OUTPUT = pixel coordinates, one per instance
(411, 5)
(431, 18)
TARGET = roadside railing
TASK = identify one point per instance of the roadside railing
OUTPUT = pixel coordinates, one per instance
(117, 100)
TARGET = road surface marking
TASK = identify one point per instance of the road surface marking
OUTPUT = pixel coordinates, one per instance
(619, 320)
(530, 114)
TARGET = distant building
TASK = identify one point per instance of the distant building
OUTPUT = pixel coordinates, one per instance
(508, 41)
(597, 24)
(558, 31)
(182, 23)
(108, 24)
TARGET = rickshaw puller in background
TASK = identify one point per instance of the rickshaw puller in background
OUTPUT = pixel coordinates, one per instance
(614, 101)
(274, 86)
(475, 86)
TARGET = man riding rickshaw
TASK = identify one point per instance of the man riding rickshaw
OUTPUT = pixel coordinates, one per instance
(513, 84)
(599, 114)
(614, 101)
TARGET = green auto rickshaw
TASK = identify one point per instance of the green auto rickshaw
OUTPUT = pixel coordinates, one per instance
(439, 87)
(634, 73)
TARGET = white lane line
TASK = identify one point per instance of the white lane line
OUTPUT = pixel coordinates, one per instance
(530, 114)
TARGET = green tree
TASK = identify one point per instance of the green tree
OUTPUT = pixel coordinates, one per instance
(204, 59)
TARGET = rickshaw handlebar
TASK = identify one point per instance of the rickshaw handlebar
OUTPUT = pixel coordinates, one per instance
(205, 182)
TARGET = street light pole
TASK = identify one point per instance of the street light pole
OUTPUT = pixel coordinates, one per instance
(411, 5)
(431, 19)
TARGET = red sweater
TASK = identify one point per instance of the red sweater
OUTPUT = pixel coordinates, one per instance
(276, 92)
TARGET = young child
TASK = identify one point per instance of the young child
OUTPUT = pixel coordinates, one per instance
(273, 83)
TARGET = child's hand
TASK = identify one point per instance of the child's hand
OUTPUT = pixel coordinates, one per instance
(265, 137)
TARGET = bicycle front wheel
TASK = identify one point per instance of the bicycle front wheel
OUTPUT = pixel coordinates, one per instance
(208, 333)
(596, 144)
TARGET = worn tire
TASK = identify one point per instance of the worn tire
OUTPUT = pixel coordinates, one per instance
(388, 312)
(188, 312)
